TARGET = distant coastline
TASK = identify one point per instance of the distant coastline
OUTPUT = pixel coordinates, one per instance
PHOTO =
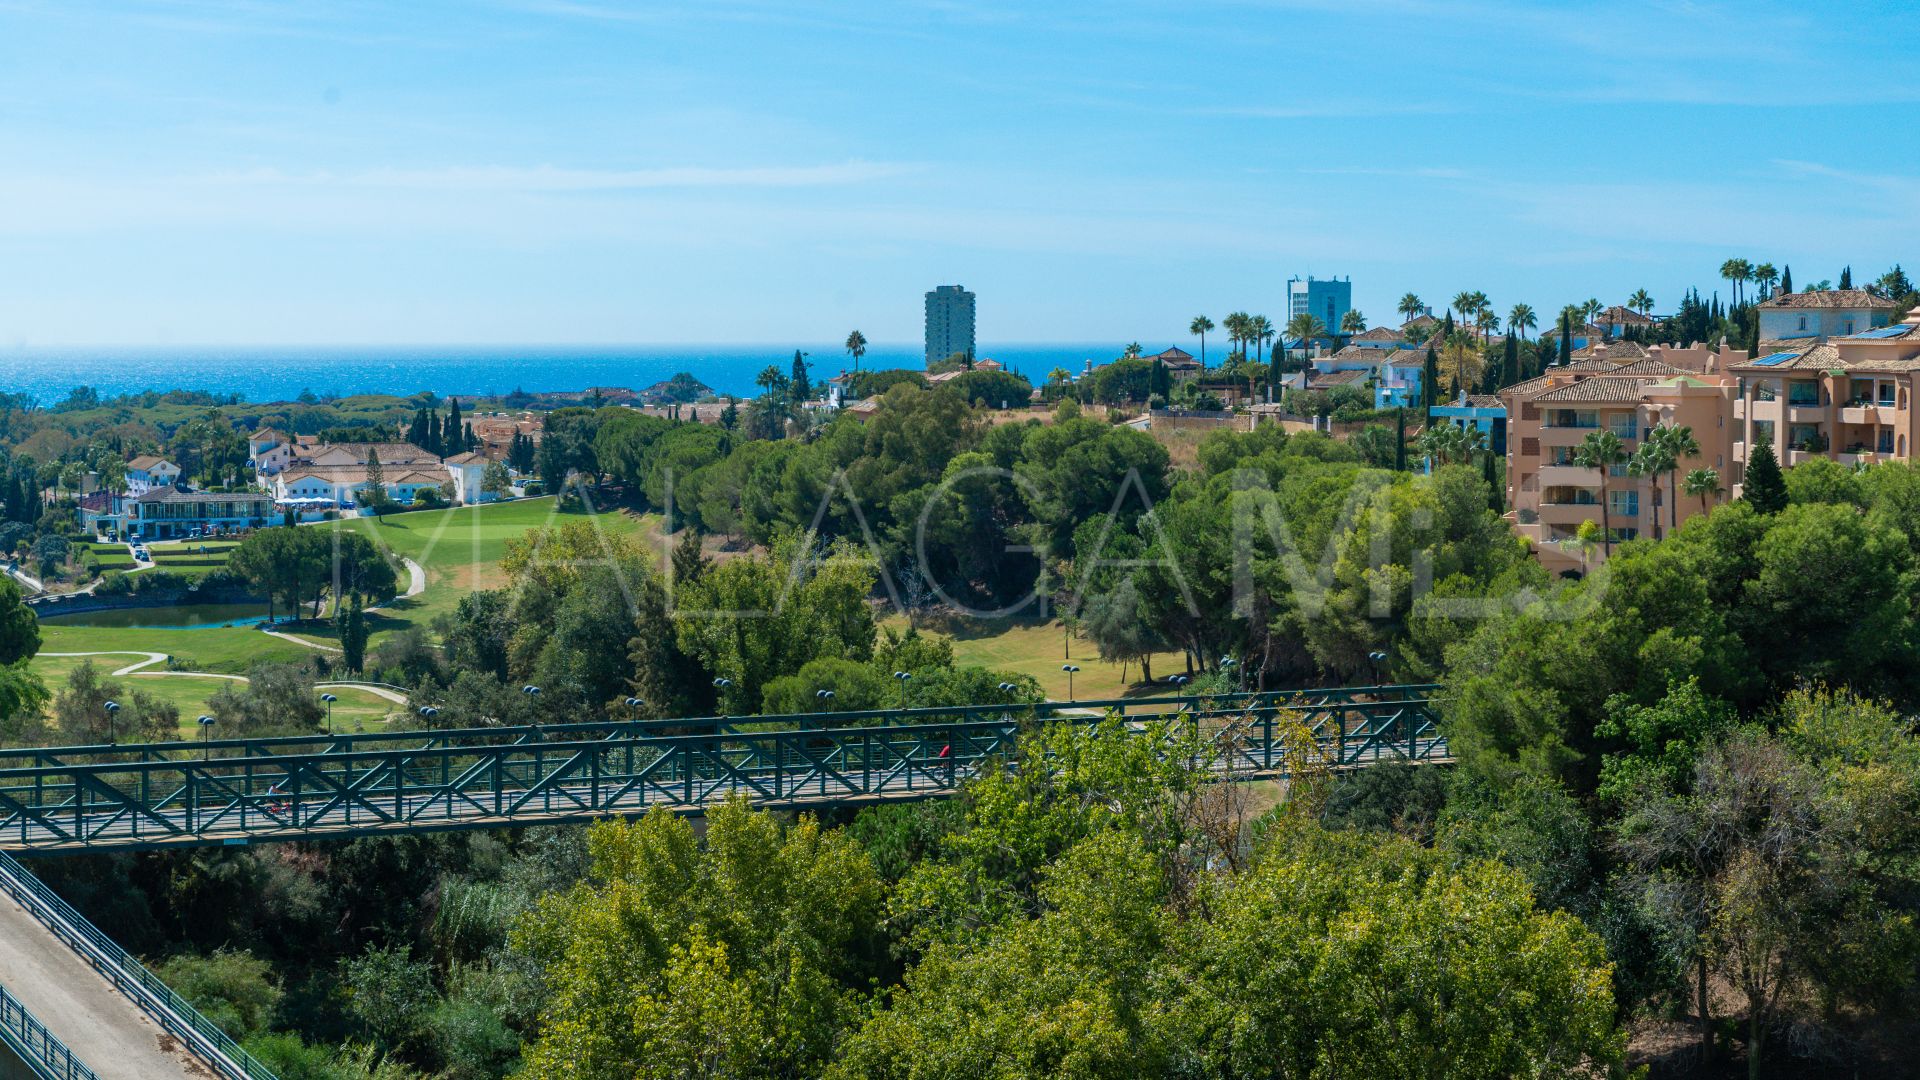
(281, 373)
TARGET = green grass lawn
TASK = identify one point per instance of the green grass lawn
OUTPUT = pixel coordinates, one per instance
(227, 649)
(1038, 649)
(460, 548)
(355, 710)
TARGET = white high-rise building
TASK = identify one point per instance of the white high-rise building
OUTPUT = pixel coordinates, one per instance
(949, 322)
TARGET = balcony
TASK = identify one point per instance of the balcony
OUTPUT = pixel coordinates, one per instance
(1851, 458)
(1866, 413)
(1569, 513)
(1796, 457)
(1569, 476)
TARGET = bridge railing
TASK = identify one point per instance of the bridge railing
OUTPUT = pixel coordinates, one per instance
(34, 1045)
(175, 1015)
(1311, 702)
(567, 775)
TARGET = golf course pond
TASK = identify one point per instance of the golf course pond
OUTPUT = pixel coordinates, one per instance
(174, 617)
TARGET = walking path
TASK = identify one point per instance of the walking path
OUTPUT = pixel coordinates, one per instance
(102, 1028)
(387, 693)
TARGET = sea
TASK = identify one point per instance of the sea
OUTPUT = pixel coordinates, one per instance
(282, 373)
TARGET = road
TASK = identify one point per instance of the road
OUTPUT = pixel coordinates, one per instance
(102, 1028)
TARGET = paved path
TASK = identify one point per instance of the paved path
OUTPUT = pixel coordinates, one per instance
(103, 1029)
(32, 583)
(416, 581)
(284, 636)
(152, 658)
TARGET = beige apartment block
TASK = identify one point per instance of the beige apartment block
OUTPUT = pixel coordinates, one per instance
(1848, 399)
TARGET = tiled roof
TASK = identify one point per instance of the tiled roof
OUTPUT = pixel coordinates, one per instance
(1609, 388)
(1378, 333)
(266, 433)
(467, 458)
(1419, 320)
(147, 461)
(1828, 298)
(1620, 315)
(1814, 358)
(1349, 377)
(1612, 350)
(1355, 352)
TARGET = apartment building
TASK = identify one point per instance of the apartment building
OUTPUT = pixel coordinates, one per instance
(1550, 495)
(949, 323)
(1849, 399)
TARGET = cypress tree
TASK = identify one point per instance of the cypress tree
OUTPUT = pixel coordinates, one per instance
(1846, 277)
(1495, 500)
(1429, 379)
(1765, 488)
(802, 387)
(1509, 365)
(1566, 340)
(1400, 439)
(352, 625)
(1786, 279)
(454, 428)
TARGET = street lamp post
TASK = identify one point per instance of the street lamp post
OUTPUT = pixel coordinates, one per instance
(329, 699)
(1227, 662)
(1375, 659)
(903, 677)
(206, 738)
(111, 708)
(1069, 669)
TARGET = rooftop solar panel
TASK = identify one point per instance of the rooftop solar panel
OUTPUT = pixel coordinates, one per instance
(1886, 332)
(1776, 359)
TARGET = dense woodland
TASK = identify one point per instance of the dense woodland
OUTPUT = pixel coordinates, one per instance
(1683, 828)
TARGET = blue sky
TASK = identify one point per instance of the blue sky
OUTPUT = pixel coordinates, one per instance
(240, 171)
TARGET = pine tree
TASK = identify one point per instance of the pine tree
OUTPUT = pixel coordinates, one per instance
(690, 562)
(375, 497)
(730, 416)
(1765, 489)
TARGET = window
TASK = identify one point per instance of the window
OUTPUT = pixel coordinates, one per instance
(1802, 393)
(1763, 431)
(1885, 443)
(1764, 391)
(1886, 393)
(1626, 503)
(1803, 322)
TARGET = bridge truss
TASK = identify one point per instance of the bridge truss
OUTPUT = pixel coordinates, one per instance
(237, 791)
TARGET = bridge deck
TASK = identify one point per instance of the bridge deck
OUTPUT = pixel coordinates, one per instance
(101, 1027)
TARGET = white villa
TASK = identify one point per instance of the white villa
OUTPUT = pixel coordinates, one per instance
(306, 475)
(148, 472)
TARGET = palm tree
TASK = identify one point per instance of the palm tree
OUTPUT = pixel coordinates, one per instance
(1704, 483)
(1451, 444)
(1353, 322)
(1650, 461)
(1641, 301)
(1463, 305)
(1460, 359)
(1521, 319)
(1200, 325)
(1736, 271)
(1676, 445)
(1589, 309)
(1261, 330)
(857, 345)
(1601, 450)
(1581, 543)
(1304, 327)
(1133, 350)
(1236, 325)
(1764, 275)
(1410, 307)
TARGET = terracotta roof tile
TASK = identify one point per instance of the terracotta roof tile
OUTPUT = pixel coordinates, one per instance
(1828, 298)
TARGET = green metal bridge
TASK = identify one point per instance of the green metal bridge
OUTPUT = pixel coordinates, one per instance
(237, 791)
